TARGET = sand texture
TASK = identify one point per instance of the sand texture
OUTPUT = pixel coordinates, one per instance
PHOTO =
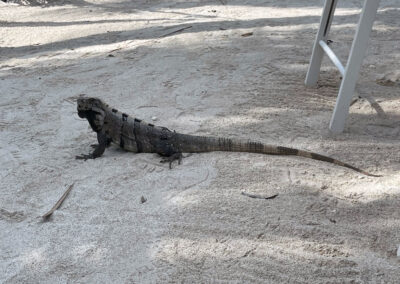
(222, 68)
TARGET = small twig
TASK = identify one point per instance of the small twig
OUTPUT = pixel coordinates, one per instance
(259, 196)
(69, 101)
(374, 104)
(145, 107)
(119, 48)
(247, 34)
(176, 31)
(223, 2)
(59, 202)
(354, 101)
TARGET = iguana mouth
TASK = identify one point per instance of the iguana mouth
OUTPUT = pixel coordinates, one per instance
(86, 113)
(81, 114)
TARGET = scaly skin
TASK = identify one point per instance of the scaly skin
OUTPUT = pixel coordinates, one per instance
(137, 136)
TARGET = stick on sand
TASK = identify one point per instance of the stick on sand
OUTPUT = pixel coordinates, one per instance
(59, 202)
(176, 31)
(258, 196)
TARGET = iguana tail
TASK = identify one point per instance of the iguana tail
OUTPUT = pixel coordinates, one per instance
(198, 144)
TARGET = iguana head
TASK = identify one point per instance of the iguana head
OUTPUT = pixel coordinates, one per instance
(93, 109)
(85, 105)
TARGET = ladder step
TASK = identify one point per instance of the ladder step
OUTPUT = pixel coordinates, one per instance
(332, 56)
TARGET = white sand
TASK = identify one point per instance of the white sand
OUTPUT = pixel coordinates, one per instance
(328, 224)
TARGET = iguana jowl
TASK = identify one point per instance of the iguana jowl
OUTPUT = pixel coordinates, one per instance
(137, 136)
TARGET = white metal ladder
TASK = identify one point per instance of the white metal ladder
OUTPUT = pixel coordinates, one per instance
(351, 71)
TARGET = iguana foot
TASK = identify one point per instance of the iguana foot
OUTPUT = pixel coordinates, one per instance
(98, 149)
(172, 158)
(85, 157)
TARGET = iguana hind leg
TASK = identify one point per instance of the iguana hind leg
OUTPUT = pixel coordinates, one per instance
(98, 148)
(170, 159)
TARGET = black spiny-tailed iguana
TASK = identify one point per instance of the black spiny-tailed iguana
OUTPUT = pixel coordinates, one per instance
(137, 136)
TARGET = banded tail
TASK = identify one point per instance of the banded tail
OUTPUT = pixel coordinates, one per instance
(199, 144)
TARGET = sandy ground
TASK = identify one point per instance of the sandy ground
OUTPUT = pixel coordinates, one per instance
(328, 224)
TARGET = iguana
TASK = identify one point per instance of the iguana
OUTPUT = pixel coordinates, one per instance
(137, 136)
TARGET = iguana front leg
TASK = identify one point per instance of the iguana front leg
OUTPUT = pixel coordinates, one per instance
(172, 158)
(99, 149)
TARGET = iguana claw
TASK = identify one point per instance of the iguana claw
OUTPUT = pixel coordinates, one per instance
(84, 157)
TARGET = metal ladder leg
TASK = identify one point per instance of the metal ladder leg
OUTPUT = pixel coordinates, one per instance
(357, 53)
(318, 53)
